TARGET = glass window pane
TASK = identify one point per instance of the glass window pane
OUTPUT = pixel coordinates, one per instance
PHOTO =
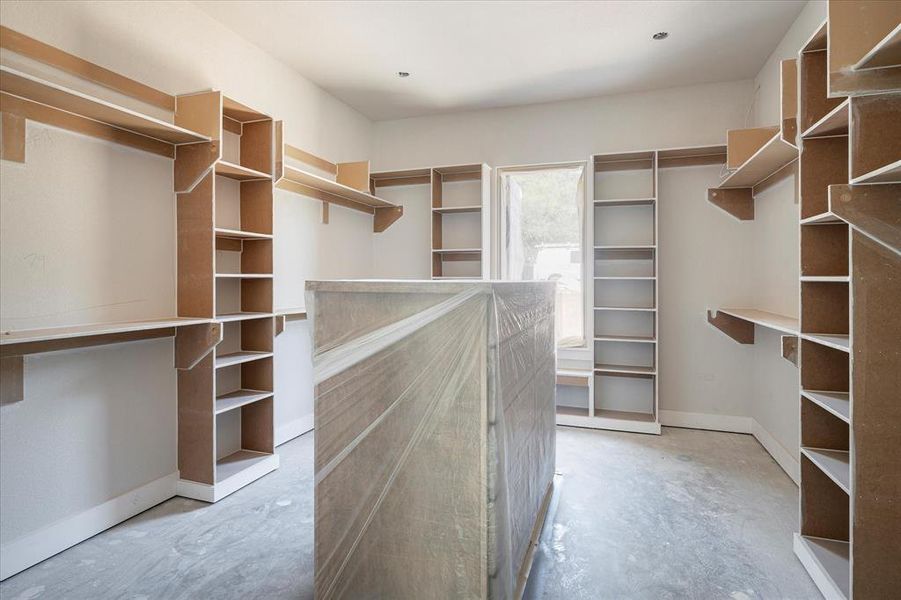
(543, 239)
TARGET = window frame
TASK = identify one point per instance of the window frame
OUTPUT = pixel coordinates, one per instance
(500, 227)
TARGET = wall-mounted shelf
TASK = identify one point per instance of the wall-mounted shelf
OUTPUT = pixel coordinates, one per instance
(864, 50)
(238, 234)
(772, 156)
(239, 172)
(34, 341)
(241, 316)
(606, 368)
(283, 315)
(834, 123)
(243, 275)
(350, 188)
(60, 98)
(738, 323)
(886, 53)
(452, 210)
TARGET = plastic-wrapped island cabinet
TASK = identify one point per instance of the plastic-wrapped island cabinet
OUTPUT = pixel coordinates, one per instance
(434, 435)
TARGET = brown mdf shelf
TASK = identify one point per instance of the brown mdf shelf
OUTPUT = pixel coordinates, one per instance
(835, 123)
(329, 191)
(242, 316)
(836, 403)
(607, 368)
(236, 358)
(830, 340)
(238, 462)
(624, 161)
(624, 415)
(834, 463)
(61, 98)
(770, 320)
(829, 559)
(626, 202)
(573, 377)
(643, 339)
(454, 210)
(621, 308)
(772, 156)
(624, 277)
(825, 278)
(238, 234)
(890, 173)
(824, 218)
(886, 52)
(615, 248)
(31, 341)
(239, 172)
(297, 311)
(238, 398)
(573, 411)
(243, 275)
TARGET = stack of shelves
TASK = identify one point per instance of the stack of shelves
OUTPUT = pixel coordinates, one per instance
(623, 394)
(225, 426)
(460, 228)
(850, 234)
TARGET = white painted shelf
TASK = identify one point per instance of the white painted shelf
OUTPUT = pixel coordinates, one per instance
(625, 338)
(238, 398)
(241, 316)
(829, 559)
(834, 123)
(238, 234)
(236, 358)
(839, 342)
(453, 210)
(834, 463)
(774, 321)
(240, 461)
(56, 96)
(239, 172)
(604, 368)
(837, 403)
(24, 336)
(771, 157)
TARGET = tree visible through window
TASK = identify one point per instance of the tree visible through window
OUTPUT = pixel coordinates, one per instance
(543, 239)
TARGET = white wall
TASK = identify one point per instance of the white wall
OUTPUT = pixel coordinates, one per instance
(88, 234)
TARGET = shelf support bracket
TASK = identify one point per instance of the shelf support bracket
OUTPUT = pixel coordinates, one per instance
(385, 216)
(194, 342)
(324, 219)
(12, 379)
(790, 348)
(279, 324)
(738, 329)
(738, 202)
(13, 146)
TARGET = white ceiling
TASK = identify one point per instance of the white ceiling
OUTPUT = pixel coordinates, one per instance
(466, 55)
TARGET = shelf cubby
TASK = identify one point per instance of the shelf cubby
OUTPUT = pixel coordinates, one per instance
(875, 139)
(640, 262)
(459, 220)
(835, 122)
(824, 250)
(813, 102)
(825, 308)
(823, 367)
(624, 225)
(625, 293)
(824, 161)
(625, 356)
(825, 506)
(625, 323)
(836, 403)
(625, 176)
(821, 428)
(631, 393)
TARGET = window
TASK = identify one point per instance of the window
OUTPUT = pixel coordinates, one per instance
(542, 225)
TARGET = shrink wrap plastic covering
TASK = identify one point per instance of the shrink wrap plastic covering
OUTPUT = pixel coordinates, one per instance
(434, 448)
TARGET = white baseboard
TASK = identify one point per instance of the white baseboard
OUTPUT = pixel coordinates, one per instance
(788, 463)
(690, 420)
(783, 457)
(290, 430)
(32, 548)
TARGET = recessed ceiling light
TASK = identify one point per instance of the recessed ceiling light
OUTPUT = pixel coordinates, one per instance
(660, 35)
(402, 74)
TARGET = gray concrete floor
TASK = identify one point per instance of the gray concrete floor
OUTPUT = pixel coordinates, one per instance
(689, 514)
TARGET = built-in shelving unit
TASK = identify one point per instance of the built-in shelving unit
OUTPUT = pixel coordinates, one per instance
(225, 270)
(758, 157)
(460, 227)
(350, 187)
(850, 280)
